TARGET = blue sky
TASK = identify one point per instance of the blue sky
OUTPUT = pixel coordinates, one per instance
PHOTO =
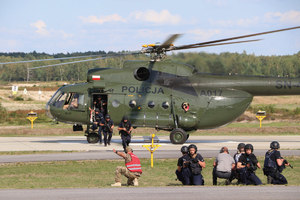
(70, 26)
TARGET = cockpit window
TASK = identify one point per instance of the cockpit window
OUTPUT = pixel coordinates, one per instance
(74, 101)
(60, 101)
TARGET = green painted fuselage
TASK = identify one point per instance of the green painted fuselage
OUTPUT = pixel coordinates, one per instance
(155, 99)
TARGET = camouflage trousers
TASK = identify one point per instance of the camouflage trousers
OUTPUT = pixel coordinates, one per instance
(124, 171)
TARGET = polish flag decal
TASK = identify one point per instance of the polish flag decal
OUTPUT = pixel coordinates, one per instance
(96, 77)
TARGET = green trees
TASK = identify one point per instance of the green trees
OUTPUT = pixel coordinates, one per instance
(224, 63)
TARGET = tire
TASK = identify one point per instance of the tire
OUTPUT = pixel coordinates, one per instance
(178, 136)
(92, 138)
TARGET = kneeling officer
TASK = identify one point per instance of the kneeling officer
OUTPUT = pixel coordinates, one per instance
(274, 165)
(195, 164)
(247, 165)
(182, 168)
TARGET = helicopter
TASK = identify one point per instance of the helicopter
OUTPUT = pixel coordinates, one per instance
(164, 95)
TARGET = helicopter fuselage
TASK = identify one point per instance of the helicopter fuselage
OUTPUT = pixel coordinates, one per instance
(166, 95)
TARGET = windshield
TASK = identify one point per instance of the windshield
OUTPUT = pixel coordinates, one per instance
(52, 100)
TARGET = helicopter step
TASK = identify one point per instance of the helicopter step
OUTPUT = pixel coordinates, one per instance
(148, 139)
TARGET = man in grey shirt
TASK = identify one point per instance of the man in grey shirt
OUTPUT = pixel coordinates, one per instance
(223, 165)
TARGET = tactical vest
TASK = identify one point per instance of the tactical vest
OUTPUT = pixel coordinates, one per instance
(269, 163)
(134, 165)
(127, 127)
(107, 126)
(195, 166)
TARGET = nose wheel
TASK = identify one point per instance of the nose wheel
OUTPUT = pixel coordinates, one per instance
(178, 136)
(92, 138)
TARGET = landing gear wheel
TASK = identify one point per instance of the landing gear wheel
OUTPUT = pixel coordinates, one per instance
(92, 138)
(178, 136)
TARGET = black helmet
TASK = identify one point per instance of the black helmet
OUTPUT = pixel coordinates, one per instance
(241, 146)
(249, 146)
(274, 145)
(184, 149)
(107, 116)
(97, 110)
(124, 118)
(192, 146)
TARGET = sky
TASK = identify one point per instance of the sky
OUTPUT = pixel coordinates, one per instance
(61, 26)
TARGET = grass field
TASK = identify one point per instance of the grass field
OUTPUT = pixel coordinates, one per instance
(93, 174)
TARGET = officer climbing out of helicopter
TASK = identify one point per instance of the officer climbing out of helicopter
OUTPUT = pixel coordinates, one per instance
(125, 129)
(107, 127)
(247, 166)
(101, 105)
(195, 163)
(182, 167)
(96, 123)
(274, 165)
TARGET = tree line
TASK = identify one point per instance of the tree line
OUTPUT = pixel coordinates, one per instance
(223, 63)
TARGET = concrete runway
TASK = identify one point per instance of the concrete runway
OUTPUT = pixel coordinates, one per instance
(157, 193)
(208, 146)
(79, 143)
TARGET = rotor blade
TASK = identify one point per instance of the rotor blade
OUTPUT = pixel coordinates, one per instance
(232, 38)
(169, 41)
(41, 60)
(58, 64)
(210, 45)
(93, 59)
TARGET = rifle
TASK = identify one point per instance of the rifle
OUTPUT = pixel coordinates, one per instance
(250, 165)
(286, 162)
(108, 127)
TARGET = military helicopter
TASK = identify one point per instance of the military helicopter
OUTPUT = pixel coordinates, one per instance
(165, 95)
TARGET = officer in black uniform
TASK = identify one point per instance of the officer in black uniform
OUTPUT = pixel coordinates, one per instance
(195, 164)
(96, 123)
(235, 171)
(274, 165)
(182, 167)
(125, 129)
(247, 165)
(101, 104)
(107, 127)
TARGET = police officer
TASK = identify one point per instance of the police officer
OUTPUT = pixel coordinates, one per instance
(247, 165)
(107, 127)
(240, 151)
(274, 165)
(182, 167)
(237, 155)
(101, 104)
(96, 123)
(125, 129)
(195, 164)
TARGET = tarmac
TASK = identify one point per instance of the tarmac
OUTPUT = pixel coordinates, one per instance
(79, 143)
(157, 193)
(77, 148)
